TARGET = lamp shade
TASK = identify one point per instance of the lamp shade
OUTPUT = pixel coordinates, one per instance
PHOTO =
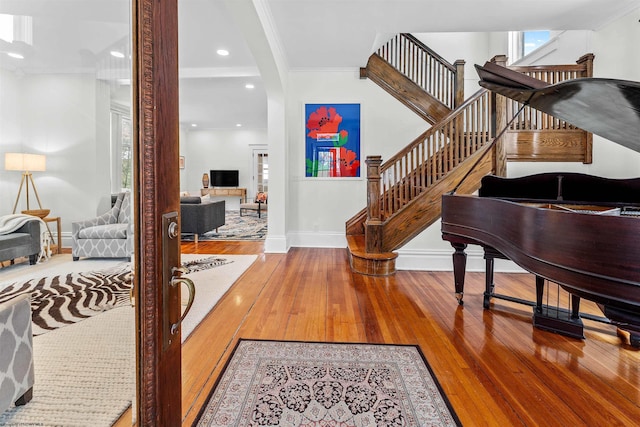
(25, 162)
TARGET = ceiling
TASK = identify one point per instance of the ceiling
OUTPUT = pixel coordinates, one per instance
(75, 35)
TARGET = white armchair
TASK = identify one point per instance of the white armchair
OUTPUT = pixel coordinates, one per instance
(258, 204)
(108, 236)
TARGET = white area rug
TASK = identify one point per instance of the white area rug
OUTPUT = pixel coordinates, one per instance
(85, 372)
(211, 285)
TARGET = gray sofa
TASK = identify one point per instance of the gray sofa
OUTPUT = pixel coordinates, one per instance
(25, 241)
(197, 217)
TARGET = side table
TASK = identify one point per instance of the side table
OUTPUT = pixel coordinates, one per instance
(56, 219)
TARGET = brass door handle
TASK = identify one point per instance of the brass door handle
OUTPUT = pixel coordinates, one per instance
(176, 281)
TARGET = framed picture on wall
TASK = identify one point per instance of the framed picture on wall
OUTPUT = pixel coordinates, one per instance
(332, 140)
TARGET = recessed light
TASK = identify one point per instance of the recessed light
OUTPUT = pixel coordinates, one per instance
(193, 125)
(249, 86)
(238, 125)
(222, 52)
(117, 54)
(15, 55)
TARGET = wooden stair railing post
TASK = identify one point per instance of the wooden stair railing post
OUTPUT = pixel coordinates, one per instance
(459, 83)
(587, 61)
(500, 119)
(373, 224)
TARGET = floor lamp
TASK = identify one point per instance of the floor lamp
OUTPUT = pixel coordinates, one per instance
(26, 163)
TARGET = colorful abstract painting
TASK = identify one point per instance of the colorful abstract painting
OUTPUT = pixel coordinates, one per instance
(332, 143)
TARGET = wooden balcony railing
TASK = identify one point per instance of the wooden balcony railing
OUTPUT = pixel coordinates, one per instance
(428, 158)
(427, 69)
(537, 136)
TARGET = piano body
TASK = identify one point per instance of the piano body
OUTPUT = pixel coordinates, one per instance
(579, 231)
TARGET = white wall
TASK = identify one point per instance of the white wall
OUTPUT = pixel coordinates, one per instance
(65, 117)
(10, 135)
(319, 207)
(473, 48)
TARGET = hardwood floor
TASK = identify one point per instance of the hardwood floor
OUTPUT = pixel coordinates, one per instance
(495, 368)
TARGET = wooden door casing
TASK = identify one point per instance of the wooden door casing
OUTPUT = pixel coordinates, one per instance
(156, 128)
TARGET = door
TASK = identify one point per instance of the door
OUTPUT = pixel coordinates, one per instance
(156, 129)
(260, 172)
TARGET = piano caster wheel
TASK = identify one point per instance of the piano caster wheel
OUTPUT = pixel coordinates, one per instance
(629, 338)
(459, 298)
(486, 303)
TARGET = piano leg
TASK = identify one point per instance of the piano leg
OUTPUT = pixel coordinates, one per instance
(489, 286)
(575, 306)
(459, 269)
(490, 255)
(539, 293)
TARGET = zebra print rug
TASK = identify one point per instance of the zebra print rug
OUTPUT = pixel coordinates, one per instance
(65, 299)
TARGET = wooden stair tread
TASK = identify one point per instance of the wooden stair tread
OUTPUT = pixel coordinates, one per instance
(372, 264)
(357, 248)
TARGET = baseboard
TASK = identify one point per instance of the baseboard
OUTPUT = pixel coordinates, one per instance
(310, 239)
(408, 259)
(440, 260)
(276, 244)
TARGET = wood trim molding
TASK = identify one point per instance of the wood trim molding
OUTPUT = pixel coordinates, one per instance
(156, 129)
(143, 95)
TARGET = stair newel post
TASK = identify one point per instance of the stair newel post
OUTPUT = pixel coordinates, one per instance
(459, 83)
(373, 225)
(500, 120)
(587, 61)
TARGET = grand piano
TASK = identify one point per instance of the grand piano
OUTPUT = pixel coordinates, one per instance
(579, 231)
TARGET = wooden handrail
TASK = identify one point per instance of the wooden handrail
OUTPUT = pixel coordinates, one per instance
(534, 120)
(431, 156)
(425, 68)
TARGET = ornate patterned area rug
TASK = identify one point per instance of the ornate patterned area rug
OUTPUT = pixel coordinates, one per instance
(236, 227)
(281, 383)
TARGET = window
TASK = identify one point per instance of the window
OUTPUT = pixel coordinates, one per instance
(533, 40)
(522, 43)
(121, 150)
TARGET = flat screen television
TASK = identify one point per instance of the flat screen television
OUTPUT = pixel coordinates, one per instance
(224, 178)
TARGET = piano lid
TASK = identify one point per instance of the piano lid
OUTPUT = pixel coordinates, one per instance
(607, 107)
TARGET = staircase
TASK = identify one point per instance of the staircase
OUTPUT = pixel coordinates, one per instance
(404, 193)
(417, 77)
